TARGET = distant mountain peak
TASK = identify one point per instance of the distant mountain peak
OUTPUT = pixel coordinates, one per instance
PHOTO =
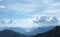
(10, 33)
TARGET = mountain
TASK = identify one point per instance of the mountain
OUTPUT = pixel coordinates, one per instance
(23, 31)
(10, 33)
(2, 28)
(40, 30)
(55, 32)
(17, 29)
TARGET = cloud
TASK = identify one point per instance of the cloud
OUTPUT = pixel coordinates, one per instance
(6, 22)
(2, 6)
(26, 24)
(22, 8)
(53, 8)
(34, 6)
(31, 23)
(29, 8)
(26, 7)
(46, 20)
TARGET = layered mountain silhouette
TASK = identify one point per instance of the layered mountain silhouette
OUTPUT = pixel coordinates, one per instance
(40, 30)
(32, 32)
(10, 33)
(55, 32)
(15, 29)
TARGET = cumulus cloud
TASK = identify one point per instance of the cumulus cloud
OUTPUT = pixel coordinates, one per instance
(6, 22)
(32, 23)
(23, 23)
(32, 7)
(46, 20)
(35, 21)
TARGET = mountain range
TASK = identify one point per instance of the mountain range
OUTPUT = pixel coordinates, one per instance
(10, 33)
(55, 32)
(23, 31)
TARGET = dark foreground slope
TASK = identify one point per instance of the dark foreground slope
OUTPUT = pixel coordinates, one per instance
(10, 33)
(55, 32)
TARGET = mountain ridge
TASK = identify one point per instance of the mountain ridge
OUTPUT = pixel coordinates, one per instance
(55, 32)
(33, 32)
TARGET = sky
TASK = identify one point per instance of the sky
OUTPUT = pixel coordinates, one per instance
(23, 13)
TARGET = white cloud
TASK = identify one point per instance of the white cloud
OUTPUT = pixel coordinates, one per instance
(25, 23)
(32, 6)
(35, 21)
(31, 23)
(22, 23)
(46, 20)
(2, 6)
(53, 8)
(22, 8)
(29, 6)
(5, 22)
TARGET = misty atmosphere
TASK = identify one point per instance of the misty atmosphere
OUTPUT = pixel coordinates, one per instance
(29, 18)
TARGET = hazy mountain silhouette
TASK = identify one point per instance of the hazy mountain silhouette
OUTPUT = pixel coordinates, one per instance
(10, 33)
(23, 31)
(40, 30)
(15, 29)
(55, 32)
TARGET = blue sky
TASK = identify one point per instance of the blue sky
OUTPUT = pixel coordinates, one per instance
(21, 11)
